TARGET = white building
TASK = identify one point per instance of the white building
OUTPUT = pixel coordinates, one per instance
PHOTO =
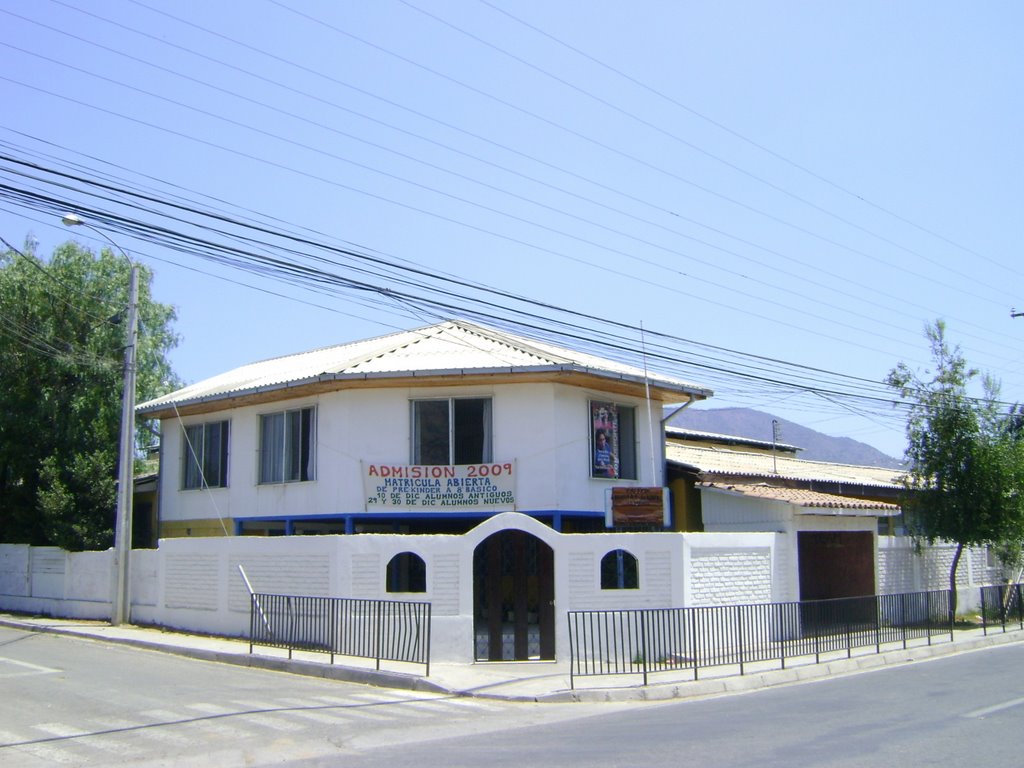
(431, 431)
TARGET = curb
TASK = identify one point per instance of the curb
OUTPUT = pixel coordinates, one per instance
(791, 675)
(379, 678)
(667, 691)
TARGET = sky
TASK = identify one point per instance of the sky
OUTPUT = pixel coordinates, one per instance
(771, 200)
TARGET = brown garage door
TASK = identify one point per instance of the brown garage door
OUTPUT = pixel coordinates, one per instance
(836, 564)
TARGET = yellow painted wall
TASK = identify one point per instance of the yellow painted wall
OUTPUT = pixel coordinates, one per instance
(183, 528)
(686, 512)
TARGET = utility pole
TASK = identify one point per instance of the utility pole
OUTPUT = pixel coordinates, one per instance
(121, 607)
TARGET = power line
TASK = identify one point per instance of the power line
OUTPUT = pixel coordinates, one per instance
(745, 139)
(888, 307)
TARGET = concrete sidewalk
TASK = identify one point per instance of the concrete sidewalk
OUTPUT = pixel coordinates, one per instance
(520, 681)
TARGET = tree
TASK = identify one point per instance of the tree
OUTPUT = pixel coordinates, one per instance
(62, 339)
(965, 455)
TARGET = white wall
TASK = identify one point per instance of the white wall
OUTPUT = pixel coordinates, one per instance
(195, 585)
(542, 427)
(903, 567)
(51, 581)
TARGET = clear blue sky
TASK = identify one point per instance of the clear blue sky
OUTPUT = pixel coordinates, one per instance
(810, 182)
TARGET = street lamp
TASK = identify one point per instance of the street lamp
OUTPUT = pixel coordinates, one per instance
(121, 607)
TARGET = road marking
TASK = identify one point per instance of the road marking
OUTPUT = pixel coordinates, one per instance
(282, 709)
(25, 669)
(475, 704)
(356, 710)
(47, 754)
(303, 709)
(245, 717)
(995, 708)
(89, 740)
(152, 731)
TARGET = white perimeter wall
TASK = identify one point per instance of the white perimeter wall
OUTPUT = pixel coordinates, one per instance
(902, 567)
(195, 584)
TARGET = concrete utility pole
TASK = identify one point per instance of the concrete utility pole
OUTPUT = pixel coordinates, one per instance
(121, 606)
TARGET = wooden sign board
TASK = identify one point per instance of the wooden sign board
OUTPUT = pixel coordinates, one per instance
(638, 506)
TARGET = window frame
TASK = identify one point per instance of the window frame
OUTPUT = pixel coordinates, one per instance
(288, 462)
(624, 573)
(198, 463)
(406, 573)
(455, 447)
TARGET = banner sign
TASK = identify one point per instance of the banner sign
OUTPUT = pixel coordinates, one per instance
(439, 487)
(638, 506)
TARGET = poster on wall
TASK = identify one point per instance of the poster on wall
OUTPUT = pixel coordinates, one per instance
(440, 488)
(604, 439)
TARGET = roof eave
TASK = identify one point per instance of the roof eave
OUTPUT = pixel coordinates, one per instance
(691, 392)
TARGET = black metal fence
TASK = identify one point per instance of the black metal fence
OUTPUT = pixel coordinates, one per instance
(383, 630)
(1001, 606)
(640, 642)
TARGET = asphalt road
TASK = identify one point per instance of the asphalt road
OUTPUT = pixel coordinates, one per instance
(71, 701)
(964, 710)
(76, 702)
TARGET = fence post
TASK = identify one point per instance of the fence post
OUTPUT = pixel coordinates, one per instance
(984, 614)
(643, 642)
(781, 629)
(572, 650)
(739, 634)
(949, 612)
(291, 624)
(693, 641)
(380, 621)
(903, 617)
(878, 623)
(427, 648)
(817, 638)
(331, 612)
(1020, 613)
(928, 615)
(849, 637)
(1002, 608)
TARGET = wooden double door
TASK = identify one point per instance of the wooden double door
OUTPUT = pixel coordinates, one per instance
(513, 598)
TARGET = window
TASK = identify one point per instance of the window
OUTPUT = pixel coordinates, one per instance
(451, 431)
(407, 573)
(204, 456)
(288, 446)
(619, 570)
(613, 440)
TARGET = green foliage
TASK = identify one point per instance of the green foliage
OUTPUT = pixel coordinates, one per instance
(965, 454)
(62, 339)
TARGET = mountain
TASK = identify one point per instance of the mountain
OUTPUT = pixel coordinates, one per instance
(757, 425)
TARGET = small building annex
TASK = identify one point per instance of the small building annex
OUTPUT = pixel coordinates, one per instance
(831, 514)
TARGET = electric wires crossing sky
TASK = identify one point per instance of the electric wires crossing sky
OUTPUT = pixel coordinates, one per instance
(775, 200)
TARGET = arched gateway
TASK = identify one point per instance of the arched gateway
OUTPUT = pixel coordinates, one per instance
(513, 598)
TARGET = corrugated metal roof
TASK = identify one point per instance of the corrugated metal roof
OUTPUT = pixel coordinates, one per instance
(448, 348)
(699, 435)
(721, 461)
(811, 500)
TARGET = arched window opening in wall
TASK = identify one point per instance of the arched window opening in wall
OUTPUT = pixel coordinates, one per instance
(407, 573)
(619, 570)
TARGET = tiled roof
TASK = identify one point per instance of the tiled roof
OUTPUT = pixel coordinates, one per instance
(710, 461)
(448, 348)
(803, 498)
